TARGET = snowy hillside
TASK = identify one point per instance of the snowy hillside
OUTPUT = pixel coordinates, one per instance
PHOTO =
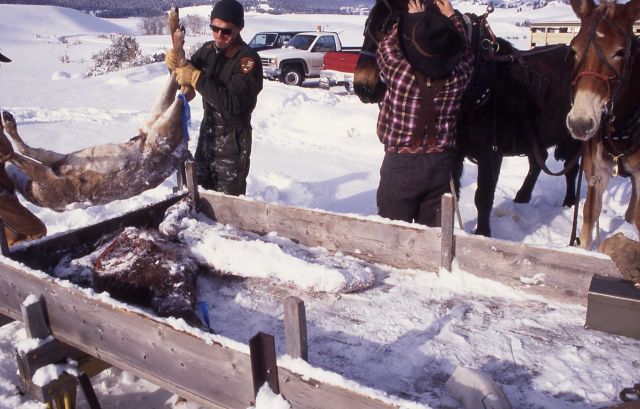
(318, 149)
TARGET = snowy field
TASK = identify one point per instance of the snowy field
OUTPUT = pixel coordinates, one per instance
(318, 149)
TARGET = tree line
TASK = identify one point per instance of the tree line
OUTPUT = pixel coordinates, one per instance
(150, 8)
(116, 8)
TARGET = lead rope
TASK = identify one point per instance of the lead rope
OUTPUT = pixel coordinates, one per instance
(186, 116)
(576, 205)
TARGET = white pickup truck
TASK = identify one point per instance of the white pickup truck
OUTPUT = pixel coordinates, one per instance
(300, 58)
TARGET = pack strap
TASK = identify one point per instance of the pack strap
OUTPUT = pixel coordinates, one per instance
(428, 89)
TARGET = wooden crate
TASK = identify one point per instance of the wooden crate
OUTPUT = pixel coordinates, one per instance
(613, 306)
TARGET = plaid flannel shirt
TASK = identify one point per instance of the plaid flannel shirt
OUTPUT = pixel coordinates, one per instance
(402, 102)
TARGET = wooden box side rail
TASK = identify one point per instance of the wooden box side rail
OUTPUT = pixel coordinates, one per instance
(566, 275)
(45, 253)
(209, 374)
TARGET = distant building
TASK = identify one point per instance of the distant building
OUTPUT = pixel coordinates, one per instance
(544, 33)
(359, 10)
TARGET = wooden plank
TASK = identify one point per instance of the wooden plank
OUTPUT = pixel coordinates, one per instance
(446, 247)
(295, 328)
(45, 253)
(312, 394)
(399, 245)
(567, 274)
(205, 373)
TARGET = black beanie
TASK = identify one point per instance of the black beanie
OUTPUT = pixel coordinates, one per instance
(229, 10)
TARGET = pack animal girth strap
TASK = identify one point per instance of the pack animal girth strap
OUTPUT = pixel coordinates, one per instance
(429, 89)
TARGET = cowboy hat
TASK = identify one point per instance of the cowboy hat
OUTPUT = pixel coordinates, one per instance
(3, 58)
(430, 43)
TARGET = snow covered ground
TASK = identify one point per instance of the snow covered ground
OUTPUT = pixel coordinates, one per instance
(318, 149)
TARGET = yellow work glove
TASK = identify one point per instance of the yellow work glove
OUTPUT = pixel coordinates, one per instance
(187, 75)
(171, 59)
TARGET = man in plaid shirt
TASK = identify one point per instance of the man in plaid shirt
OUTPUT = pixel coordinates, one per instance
(427, 53)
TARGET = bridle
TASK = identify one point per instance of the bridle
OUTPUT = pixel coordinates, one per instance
(615, 86)
(371, 33)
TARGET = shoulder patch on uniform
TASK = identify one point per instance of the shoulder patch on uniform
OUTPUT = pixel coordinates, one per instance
(247, 64)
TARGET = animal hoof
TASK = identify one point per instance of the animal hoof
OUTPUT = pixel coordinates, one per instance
(8, 120)
(482, 232)
(521, 199)
(569, 202)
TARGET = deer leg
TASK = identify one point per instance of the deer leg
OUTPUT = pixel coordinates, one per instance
(45, 156)
(162, 104)
(169, 93)
(177, 39)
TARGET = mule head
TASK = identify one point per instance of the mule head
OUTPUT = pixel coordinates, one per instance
(603, 53)
(366, 82)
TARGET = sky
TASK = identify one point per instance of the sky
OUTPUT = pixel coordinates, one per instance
(391, 333)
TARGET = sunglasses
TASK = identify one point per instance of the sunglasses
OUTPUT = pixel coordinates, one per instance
(224, 31)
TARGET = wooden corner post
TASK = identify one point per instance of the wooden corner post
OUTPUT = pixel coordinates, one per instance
(446, 255)
(295, 328)
(262, 348)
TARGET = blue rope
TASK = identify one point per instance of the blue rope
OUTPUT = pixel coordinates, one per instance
(203, 307)
(186, 116)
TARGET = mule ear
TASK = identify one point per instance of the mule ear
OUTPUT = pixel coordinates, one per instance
(582, 7)
(633, 9)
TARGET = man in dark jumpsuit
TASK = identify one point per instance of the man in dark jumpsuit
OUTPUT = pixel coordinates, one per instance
(19, 223)
(228, 75)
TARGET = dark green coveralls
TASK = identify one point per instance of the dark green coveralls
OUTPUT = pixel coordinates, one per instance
(229, 84)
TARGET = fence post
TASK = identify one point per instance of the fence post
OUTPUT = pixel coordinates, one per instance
(295, 328)
(35, 319)
(262, 348)
(446, 255)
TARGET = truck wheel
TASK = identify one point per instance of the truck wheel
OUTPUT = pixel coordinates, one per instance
(292, 75)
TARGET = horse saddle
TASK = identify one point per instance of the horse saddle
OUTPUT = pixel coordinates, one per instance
(479, 90)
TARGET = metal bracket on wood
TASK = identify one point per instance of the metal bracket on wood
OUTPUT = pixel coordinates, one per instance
(4, 320)
(263, 362)
(61, 392)
(447, 249)
(181, 177)
(192, 184)
(295, 328)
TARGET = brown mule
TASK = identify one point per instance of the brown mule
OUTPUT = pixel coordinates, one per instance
(606, 107)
